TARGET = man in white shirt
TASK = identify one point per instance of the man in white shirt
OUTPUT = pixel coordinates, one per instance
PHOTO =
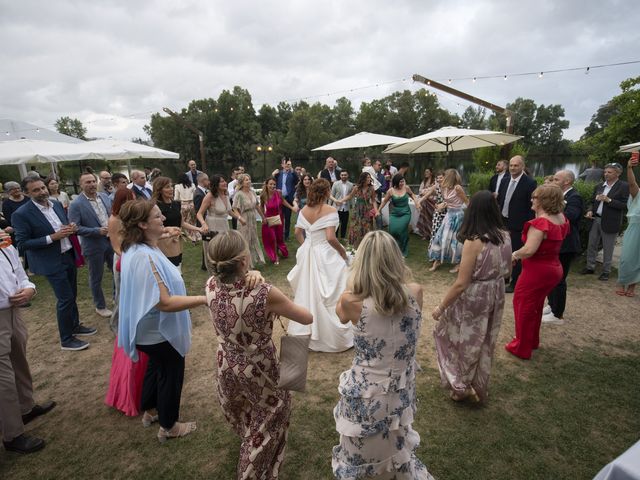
(42, 233)
(231, 190)
(502, 168)
(340, 190)
(17, 406)
(606, 210)
(139, 185)
(193, 172)
(90, 212)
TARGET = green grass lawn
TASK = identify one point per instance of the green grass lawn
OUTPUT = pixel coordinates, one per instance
(563, 415)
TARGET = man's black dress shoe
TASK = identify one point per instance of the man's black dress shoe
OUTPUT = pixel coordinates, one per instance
(603, 276)
(24, 444)
(509, 289)
(37, 410)
(587, 271)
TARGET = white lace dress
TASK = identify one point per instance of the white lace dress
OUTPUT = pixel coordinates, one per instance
(318, 280)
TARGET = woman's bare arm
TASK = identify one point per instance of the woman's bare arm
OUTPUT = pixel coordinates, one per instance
(280, 304)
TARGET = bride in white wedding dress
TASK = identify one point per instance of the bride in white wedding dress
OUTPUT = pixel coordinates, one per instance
(320, 274)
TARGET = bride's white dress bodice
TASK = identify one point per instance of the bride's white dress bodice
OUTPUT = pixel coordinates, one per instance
(318, 279)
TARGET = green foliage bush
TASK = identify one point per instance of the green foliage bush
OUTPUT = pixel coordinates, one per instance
(479, 181)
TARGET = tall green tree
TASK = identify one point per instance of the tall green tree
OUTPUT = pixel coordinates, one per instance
(474, 118)
(72, 127)
(621, 127)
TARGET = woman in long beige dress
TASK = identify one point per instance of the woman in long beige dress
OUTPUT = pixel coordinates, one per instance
(217, 208)
(183, 193)
(245, 204)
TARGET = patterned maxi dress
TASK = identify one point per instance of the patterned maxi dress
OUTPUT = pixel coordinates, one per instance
(246, 204)
(466, 335)
(248, 373)
(378, 399)
(361, 218)
(425, 220)
(444, 246)
(438, 216)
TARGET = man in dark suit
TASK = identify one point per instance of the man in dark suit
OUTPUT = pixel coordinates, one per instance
(202, 182)
(139, 185)
(90, 212)
(514, 199)
(608, 203)
(502, 169)
(573, 210)
(42, 234)
(331, 171)
(286, 182)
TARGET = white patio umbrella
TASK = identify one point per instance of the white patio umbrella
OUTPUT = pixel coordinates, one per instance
(132, 150)
(20, 152)
(632, 147)
(361, 140)
(449, 139)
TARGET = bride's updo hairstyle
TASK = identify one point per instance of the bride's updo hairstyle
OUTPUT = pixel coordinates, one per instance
(379, 272)
(225, 253)
(318, 192)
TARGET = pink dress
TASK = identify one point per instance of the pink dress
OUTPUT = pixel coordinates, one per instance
(272, 237)
(125, 381)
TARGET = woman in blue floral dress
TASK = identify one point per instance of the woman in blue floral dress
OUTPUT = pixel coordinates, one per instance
(378, 393)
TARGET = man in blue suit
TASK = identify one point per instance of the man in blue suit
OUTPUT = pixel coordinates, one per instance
(286, 182)
(42, 234)
(90, 212)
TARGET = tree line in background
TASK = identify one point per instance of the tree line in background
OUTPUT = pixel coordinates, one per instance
(233, 129)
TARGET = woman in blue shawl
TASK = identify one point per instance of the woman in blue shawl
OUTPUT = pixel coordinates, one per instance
(154, 316)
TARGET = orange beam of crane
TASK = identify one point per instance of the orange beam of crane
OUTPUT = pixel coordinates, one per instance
(478, 101)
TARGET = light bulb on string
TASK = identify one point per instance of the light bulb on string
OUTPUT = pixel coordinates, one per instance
(449, 82)
(540, 74)
(505, 78)
(474, 79)
(587, 71)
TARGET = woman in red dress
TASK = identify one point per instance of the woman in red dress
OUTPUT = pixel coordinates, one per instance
(541, 268)
(271, 202)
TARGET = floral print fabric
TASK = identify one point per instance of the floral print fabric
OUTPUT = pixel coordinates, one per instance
(378, 400)
(466, 335)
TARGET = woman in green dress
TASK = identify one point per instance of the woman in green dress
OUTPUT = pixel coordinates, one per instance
(399, 211)
(364, 210)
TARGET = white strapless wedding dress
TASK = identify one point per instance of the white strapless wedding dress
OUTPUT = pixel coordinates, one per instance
(318, 280)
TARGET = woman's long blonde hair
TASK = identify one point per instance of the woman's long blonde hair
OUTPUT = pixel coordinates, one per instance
(451, 179)
(379, 272)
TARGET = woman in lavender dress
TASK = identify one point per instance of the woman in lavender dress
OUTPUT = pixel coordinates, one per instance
(470, 314)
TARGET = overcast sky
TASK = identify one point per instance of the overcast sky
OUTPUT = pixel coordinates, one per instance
(111, 63)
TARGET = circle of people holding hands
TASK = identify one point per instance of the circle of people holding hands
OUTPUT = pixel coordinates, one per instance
(515, 237)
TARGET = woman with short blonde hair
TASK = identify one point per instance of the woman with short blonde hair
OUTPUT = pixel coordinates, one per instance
(378, 393)
(242, 313)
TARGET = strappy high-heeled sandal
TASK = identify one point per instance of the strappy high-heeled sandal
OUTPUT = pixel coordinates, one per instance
(179, 429)
(148, 419)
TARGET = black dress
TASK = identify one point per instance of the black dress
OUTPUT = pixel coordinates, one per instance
(173, 218)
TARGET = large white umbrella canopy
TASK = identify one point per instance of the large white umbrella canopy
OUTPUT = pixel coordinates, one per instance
(449, 139)
(131, 149)
(20, 152)
(361, 140)
(632, 147)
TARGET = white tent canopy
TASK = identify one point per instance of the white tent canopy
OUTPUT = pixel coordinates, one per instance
(132, 150)
(448, 139)
(632, 147)
(20, 152)
(17, 130)
(361, 140)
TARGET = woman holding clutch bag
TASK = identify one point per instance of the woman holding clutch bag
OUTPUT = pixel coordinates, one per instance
(242, 312)
(271, 202)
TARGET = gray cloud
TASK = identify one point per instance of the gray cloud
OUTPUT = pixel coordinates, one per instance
(105, 60)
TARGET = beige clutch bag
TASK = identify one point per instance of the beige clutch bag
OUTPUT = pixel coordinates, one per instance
(273, 221)
(294, 354)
